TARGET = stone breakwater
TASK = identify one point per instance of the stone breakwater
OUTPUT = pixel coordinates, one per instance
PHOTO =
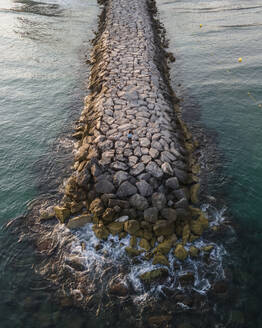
(135, 168)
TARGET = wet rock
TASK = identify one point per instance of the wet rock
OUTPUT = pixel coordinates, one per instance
(97, 207)
(100, 231)
(126, 189)
(144, 188)
(193, 251)
(108, 215)
(79, 221)
(139, 202)
(137, 169)
(180, 252)
(144, 244)
(160, 320)
(182, 203)
(76, 263)
(115, 227)
(181, 175)
(118, 289)
(118, 202)
(198, 226)
(163, 228)
(164, 246)
(160, 259)
(154, 170)
(187, 279)
(133, 252)
(185, 234)
(104, 187)
(120, 177)
(167, 169)
(194, 193)
(62, 213)
(153, 275)
(131, 226)
(159, 200)
(169, 214)
(172, 183)
(133, 242)
(151, 214)
(207, 249)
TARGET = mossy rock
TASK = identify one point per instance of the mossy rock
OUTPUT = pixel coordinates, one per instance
(193, 251)
(160, 259)
(133, 242)
(133, 252)
(207, 249)
(100, 231)
(180, 252)
(164, 247)
(76, 207)
(139, 233)
(145, 244)
(154, 275)
(163, 228)
(185, 234)
(79, 221)
(62, 213)
(115, 227)
(194, 190)
(131, 226)
(198, 226)
(196, 212)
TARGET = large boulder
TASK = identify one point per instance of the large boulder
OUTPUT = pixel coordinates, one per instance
(79, 221)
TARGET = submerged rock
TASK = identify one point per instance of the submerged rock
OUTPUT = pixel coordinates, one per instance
(100, 231)
(153, 275)
(133, 252)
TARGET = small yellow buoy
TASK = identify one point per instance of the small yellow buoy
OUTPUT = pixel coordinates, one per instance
(200, 25)
(239, 59)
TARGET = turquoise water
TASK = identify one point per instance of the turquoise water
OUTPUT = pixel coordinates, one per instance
(43, 70)
(42, 85)
(227, 96)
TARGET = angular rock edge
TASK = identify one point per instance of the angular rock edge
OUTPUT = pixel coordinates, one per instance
(135, 156)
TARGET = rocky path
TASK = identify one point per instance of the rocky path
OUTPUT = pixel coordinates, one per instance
(134, 157)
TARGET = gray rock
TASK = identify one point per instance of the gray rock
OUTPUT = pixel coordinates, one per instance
(139, 202)
(104, 187)
(179, 193)
(153, 152)
(144, 188)
(146, 159)
(144, 142)
(168, 213)
(144, 176)
(181, 175)
(126, 189)
(137, 169)
(120, 177)
(132, 160)
(157, 145)
(144, 151)
(167, 169)
(106, 145)
(172, 183)
(159, 200)
(182, 203)
(154, 170)
(151, 214)
(166, 156)
(137, 152)
(119, 166)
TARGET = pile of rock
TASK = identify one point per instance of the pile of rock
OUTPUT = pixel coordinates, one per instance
(135, 172)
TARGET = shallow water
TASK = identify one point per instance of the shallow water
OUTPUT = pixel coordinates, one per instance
(42, 85)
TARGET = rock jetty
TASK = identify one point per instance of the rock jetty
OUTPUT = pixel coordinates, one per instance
(135, 171)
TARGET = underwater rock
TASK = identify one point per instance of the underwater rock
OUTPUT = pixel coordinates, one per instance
(132, 251)
(100, 231)
(153, 275)
(193, 251)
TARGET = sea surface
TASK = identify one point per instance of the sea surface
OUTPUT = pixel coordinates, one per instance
(43, 50)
